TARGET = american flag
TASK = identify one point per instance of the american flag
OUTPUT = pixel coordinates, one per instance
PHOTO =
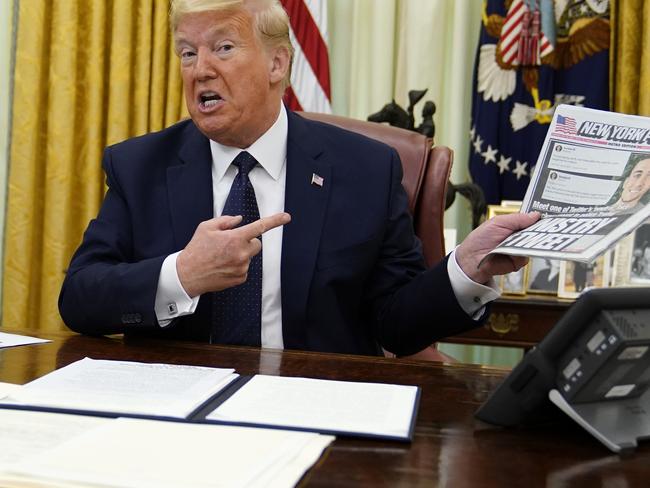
(565, 125)
(511, 33)
(310, 76)
(501, 158)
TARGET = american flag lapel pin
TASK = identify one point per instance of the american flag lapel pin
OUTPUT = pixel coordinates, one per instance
(316, 180)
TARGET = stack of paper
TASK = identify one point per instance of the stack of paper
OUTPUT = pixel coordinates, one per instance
(48, 449)
(165, 391)
(13, 340)
(39, 448)
(339, 407)
(124, 388)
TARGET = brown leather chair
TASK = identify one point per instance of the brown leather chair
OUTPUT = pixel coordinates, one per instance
(426, 173)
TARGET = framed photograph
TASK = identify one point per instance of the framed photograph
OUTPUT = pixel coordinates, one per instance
(620, 273)
(511, 283)
(511, 203)
(494, 210)
(610, 267)
(514, 283)
(543, 276)
(576, 277)
(639, 263)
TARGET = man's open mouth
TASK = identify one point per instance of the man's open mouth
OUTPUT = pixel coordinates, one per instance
(209, 99)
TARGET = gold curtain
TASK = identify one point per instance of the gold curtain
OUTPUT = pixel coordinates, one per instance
(87, 74)
(630, 60)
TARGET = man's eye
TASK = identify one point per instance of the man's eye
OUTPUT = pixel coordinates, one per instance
(187, 54)
(225, 48)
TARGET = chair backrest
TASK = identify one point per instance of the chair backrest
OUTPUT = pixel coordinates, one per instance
(426, 173)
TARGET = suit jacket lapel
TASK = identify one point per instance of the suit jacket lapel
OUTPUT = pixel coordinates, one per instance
(307, 204)
(189, 186)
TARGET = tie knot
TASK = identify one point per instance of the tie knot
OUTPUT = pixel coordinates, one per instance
(245, 162)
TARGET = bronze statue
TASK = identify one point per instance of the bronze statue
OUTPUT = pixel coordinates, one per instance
(396, 116)
(427, 127)
(393, 114)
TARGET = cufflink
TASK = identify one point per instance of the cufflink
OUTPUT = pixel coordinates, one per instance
(171, 308)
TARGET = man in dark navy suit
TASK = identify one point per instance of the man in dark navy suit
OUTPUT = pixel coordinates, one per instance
(250, 225)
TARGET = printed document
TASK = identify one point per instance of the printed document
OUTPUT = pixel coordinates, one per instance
(13, 340)
(375, 409)
(591, 184)
(7, 388)
(24, 434)
(124, 388)
(154, 454)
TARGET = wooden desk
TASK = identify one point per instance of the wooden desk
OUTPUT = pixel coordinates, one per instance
(516, 322)
(450, 449)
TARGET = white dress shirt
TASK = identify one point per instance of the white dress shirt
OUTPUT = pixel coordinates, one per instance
(268, 179)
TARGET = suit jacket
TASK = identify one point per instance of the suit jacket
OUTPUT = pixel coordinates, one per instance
(353, 277)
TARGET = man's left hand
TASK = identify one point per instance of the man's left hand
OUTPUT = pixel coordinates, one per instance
(484, 239)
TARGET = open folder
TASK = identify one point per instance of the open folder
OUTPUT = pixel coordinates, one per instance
(219, 395)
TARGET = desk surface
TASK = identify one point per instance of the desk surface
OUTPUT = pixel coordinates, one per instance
(450, 448)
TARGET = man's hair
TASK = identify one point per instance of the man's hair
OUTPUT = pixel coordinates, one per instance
(270, 20)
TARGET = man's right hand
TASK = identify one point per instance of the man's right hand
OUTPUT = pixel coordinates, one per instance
(218, 255)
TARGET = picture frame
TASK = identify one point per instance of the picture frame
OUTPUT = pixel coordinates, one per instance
(494, 210)
(639, 257)
(610, 262)
(543, 276)
(575, 277)
(620, 273)
(511, 203)
(514, 283)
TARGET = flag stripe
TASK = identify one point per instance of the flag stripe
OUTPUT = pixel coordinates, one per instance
(512, 35)
(291, 100)
(305, 86)
(318, 10)
(312, 44)
(511, 32)
(507, 47)
(512, 19)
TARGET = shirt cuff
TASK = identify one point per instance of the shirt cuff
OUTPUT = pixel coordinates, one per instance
(472, 296)
(171, 299)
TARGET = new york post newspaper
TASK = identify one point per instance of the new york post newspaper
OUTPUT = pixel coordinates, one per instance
(591, 184)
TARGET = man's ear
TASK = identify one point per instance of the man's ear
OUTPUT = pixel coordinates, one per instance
(279, 64)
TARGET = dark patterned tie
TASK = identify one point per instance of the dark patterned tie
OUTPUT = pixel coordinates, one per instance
(237, 311)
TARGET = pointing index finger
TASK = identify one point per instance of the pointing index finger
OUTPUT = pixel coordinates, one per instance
(259, 227)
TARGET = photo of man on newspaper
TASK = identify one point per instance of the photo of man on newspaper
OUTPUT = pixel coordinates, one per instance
(591, 185)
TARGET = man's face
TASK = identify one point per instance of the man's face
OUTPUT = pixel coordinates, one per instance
(636, 185)
(230, 85)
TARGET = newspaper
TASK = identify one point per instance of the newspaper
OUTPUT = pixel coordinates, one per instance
(591, 184)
